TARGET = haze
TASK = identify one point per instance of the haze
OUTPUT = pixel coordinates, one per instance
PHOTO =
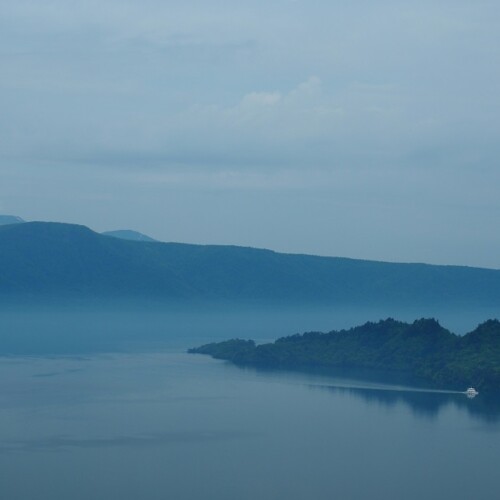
(359, 129)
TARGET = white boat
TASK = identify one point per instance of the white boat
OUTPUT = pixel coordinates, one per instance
(471, 392)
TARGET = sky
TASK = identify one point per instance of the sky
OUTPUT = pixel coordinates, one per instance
(347, 128)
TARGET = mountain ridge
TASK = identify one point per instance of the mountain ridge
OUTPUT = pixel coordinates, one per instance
(129, 234)
(37, 258)
(10, 219)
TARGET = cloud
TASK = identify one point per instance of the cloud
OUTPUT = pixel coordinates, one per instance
(183, 83)
(260, 99)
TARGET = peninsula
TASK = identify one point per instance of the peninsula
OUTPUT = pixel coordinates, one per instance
(422, 350)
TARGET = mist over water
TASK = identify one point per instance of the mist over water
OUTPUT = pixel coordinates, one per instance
(128, 326)
(103, 403)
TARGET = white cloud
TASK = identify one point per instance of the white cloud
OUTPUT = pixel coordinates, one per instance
(182, 81)
(260, 99)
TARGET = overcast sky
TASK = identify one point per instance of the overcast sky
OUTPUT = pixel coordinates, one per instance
(352, 128)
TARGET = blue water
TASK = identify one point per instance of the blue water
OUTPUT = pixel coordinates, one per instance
(129, 419)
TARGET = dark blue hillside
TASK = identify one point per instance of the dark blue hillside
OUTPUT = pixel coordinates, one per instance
(38, 258)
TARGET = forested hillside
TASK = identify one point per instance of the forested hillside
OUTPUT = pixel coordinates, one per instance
(423, 350)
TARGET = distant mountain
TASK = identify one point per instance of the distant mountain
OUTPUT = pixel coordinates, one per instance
(10, 219)
(423, 349)
(39, 259)
(127, 234)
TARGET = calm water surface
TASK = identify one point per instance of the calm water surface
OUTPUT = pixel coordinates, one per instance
(162, 424)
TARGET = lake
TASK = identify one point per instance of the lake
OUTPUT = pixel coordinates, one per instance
(107, 405)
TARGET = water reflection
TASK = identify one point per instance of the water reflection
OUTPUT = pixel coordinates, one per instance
(385, 389)
(426, 404)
